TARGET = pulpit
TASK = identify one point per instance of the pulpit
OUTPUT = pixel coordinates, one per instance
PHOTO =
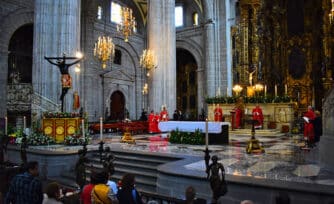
(59, 128)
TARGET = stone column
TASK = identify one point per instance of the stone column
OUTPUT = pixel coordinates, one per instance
(56, 30)
(209, 55)
(162, 40)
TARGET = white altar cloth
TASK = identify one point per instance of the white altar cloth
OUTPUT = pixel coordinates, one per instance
(191, 126)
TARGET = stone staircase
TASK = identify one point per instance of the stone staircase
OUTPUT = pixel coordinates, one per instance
(143, 166)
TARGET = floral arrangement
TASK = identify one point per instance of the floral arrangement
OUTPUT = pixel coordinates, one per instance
(60, 115)
(75, 140)
(40, 139)
(36, 138)
(254, 99)
(194, 138)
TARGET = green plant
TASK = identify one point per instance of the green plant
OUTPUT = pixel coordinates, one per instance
(74, 140)
(195, 138)
(37, 138)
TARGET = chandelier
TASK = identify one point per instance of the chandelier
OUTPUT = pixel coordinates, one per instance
(331, 13)
(104, 50)
(147, 59)
(145, 89)
(128, 23)
(237, 89)
(258, 87)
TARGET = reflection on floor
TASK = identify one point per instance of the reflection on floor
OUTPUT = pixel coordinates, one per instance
(283, 158)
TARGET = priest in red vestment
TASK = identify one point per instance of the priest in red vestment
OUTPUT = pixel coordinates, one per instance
(218, 114)
(164, 114)
(258, 115)
(156, 123)
(151, 123)
(309, 116)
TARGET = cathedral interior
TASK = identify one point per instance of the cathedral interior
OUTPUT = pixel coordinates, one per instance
(284, 45)
(142, 55)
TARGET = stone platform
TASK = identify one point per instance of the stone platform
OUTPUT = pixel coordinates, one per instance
(259, 177)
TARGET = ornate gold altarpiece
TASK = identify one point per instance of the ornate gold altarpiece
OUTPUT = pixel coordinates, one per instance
(59, 128)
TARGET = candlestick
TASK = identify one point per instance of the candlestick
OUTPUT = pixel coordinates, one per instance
(101, 128)
(265, 90)
(83, 127)
(206, 134)
(24, 123)
(275, 90)
(286, 89)
(6, 124)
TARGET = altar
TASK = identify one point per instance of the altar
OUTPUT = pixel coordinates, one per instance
(59, 128)
(281, 114)
(218, 131)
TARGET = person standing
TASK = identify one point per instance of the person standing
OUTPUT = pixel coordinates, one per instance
(258, 116)
(26, 187)
(218, 114)
(151, 122)
(164, 114)
(156, 123)
(317, 125)
(308, 125)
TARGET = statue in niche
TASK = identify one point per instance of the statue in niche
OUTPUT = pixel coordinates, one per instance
(16, 78)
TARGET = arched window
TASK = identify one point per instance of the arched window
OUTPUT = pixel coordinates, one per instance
(99, 12)
(118, 57)
(178, 16)
(195, 19)
(116, 13)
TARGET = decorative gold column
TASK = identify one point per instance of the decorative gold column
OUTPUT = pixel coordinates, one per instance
(244, 60)
(327, 28)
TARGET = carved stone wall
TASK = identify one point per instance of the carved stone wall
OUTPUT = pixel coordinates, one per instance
(19, 97)
(327, 138)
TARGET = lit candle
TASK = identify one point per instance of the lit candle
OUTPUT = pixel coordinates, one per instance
(6, 124)
(101, 128)
(286, 89)
(83, 127)
(275, 90)
(206, 134)
(24, 123)
(265, 90)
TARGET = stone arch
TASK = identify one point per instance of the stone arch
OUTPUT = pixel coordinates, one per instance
(9, 25)
(132, 101)
(195, 49)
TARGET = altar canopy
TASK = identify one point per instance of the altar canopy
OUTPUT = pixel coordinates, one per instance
(191, 126)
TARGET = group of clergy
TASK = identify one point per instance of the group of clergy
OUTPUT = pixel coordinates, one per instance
(238, 113)
(154, 119)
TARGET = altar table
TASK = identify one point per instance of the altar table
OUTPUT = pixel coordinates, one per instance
(218, 131)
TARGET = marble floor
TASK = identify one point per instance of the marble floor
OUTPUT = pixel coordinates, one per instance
(283, 158)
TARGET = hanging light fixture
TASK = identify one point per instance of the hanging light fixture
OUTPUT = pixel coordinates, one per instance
(128, 24)
(104, 50)
(147, 59)
(237, 89)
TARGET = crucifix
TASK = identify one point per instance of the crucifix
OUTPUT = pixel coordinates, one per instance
(66, 80)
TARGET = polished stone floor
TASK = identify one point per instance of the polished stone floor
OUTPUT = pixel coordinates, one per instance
(283, 158)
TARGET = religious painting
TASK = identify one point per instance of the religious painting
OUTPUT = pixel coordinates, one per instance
(281, 114)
